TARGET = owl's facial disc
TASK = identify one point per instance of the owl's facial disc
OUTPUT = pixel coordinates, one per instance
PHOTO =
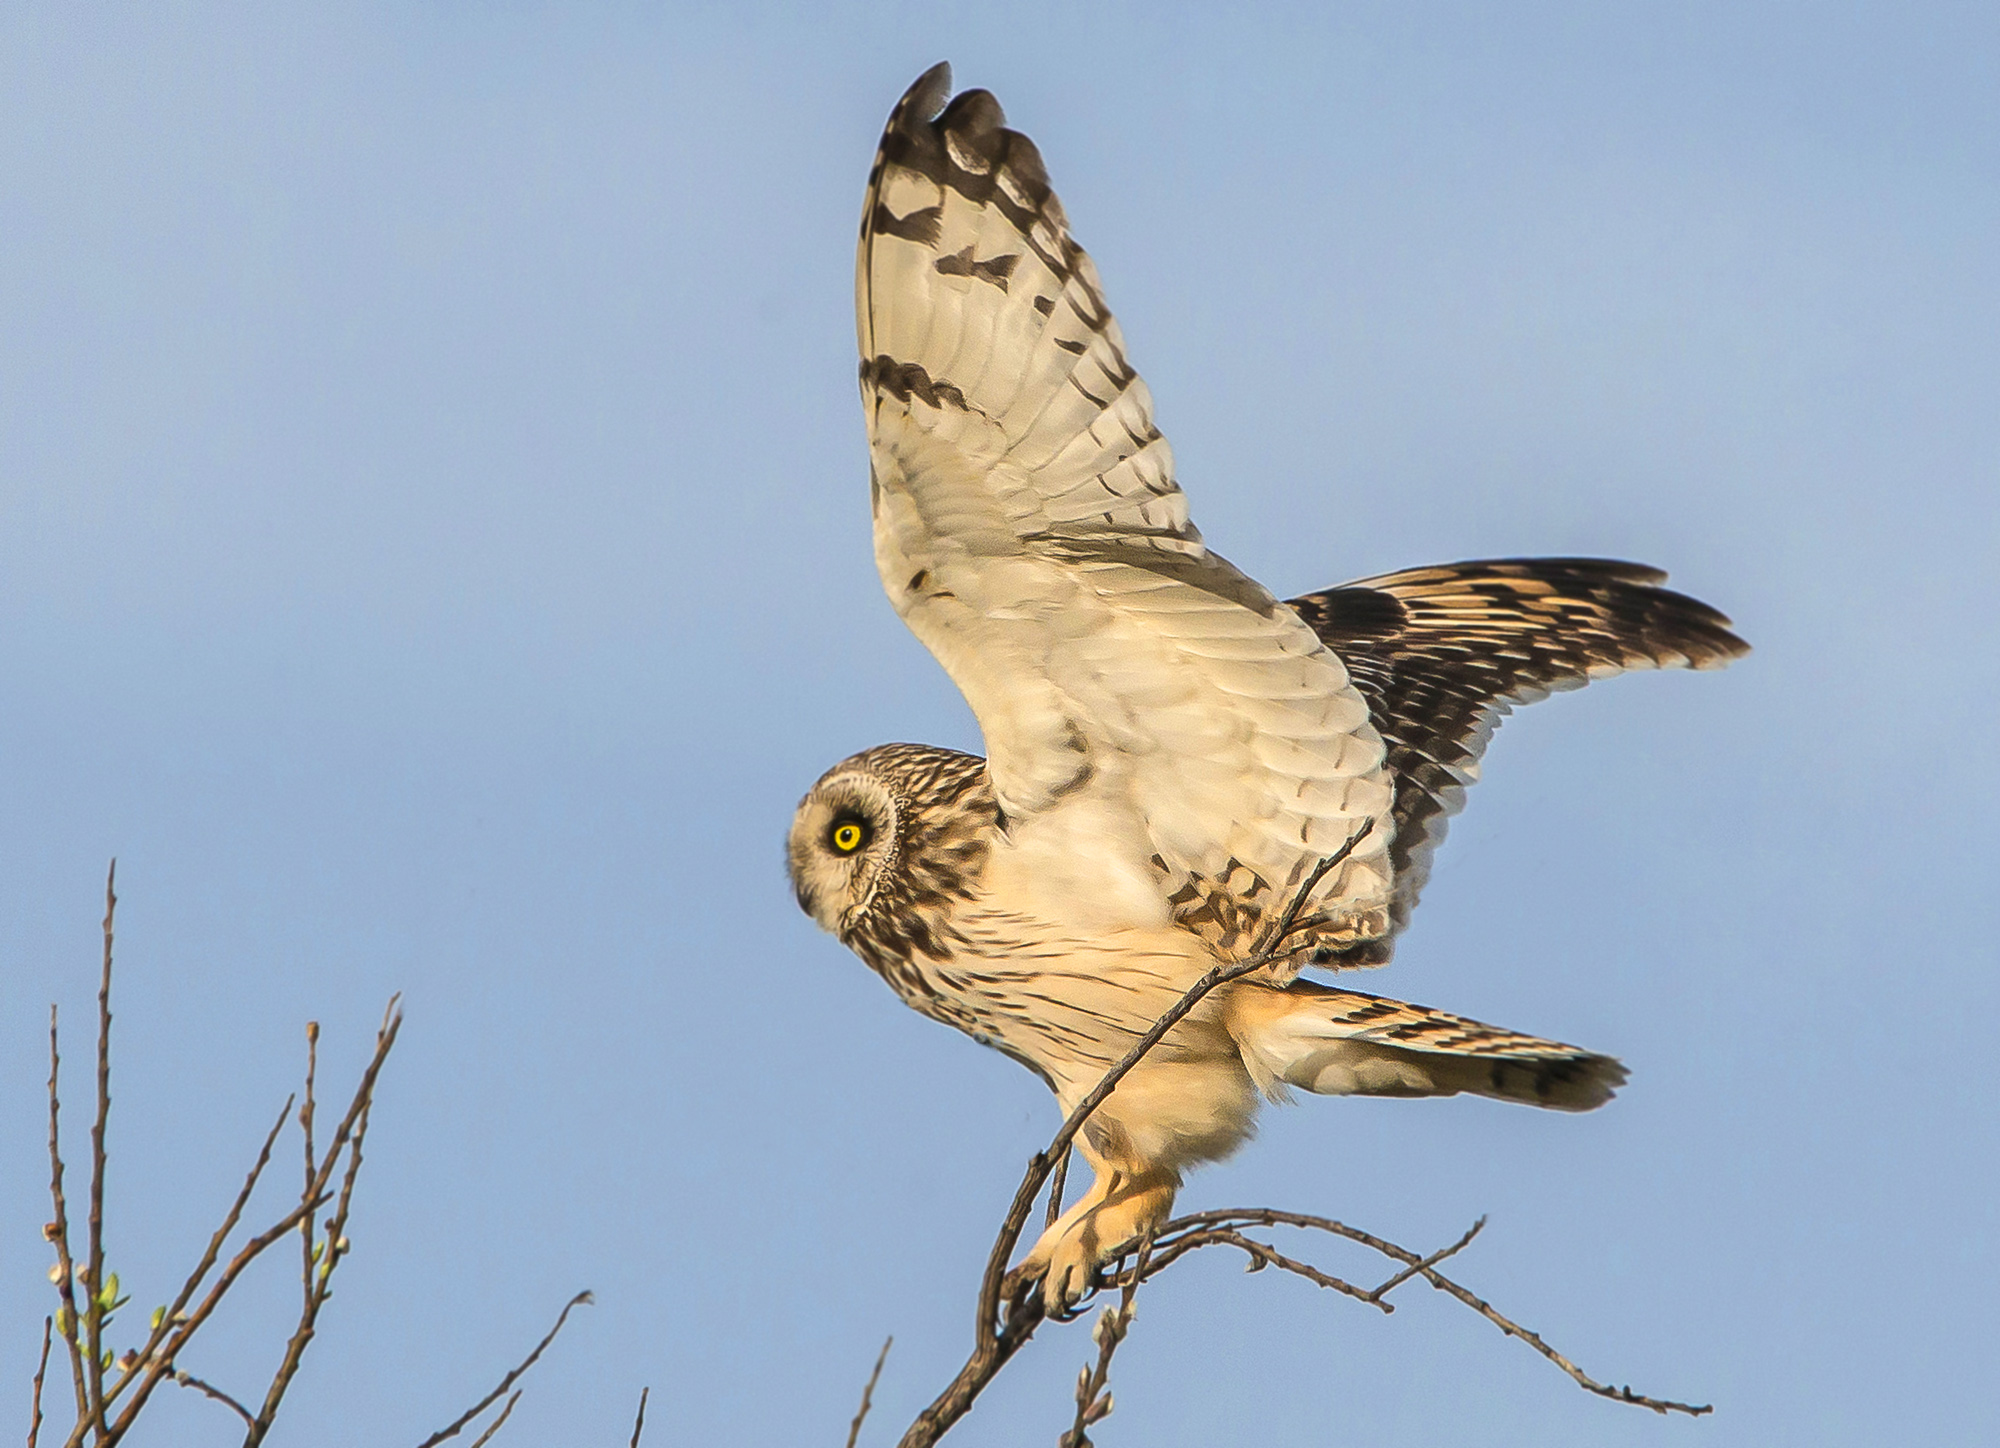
(843, 837)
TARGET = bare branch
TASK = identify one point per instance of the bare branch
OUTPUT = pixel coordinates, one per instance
(451, 1429)
(867, 1398)
(189, 1380)
(639, 1423)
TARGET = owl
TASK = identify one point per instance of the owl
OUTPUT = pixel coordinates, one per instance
(1170, 748)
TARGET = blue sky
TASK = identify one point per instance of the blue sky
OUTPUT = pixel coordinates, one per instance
(433, 557)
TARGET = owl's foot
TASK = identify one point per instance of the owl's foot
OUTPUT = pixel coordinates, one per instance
(1117, 1213)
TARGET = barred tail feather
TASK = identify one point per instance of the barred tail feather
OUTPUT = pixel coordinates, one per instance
(1345, 1043)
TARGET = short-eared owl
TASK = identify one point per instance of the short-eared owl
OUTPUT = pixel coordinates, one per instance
(1170, 748)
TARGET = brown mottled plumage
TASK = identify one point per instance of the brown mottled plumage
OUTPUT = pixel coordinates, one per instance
(1171, 749)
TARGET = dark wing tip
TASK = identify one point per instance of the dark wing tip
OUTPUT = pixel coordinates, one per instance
(925, 97)
(1578, 1083)
(1697, 630)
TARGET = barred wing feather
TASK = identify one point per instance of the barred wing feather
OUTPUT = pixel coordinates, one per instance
(1442, 654)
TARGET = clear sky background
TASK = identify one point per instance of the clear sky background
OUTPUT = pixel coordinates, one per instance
(434, 557)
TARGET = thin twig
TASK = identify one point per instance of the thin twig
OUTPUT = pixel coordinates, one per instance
(452, 1428)
(41, 1371)
(1429, 1262)
(1662, 1406)
(57, 1232)
(98, 1302)
(189, 1380)
(495, 1425)
(867, 1397)
(639, 1423)
(307, 1110)
(1056, 1184)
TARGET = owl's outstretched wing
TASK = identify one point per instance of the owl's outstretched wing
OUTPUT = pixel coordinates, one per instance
(1146, 707)
(1442, 654)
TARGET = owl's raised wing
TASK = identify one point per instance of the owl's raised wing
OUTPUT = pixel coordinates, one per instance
(1443, 653)
(1147, 708)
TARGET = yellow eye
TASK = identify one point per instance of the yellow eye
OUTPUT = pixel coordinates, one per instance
(848, 836)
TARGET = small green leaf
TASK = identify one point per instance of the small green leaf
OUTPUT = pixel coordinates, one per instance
(159, 1316)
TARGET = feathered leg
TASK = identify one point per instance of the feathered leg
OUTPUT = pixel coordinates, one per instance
(1126, 1201)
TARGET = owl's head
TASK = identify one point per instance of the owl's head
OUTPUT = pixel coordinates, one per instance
(845, 839)
(887, 838)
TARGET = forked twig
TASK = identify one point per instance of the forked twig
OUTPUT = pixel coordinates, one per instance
(495, 1426)
(451, 1429)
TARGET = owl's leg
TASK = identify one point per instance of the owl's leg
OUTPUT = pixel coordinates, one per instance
(1126, 1201)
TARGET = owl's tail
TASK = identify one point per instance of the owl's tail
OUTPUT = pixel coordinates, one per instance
(1345, 1043)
